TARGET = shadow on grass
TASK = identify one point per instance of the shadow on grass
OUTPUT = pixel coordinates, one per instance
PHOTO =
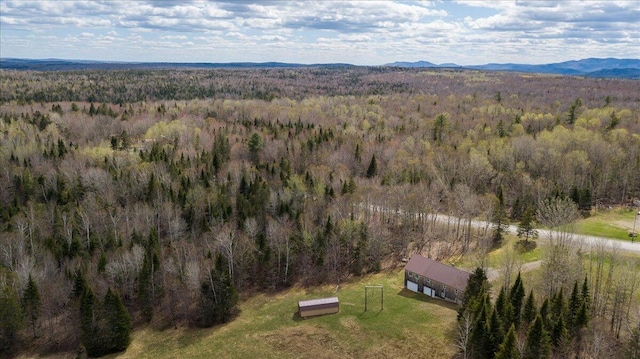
(404, 292)
(296, 316)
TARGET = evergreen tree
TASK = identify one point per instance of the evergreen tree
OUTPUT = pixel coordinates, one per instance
(585, 200)
(477, 286)
(501, 301)
(31, 303)
(150, 264)
(480, 343)
(508, 348)
(544, 312)
(218, 296)
(558, 306)
(79, 285)
(118, 329)
(10, 318)
(499, 219)
(559, 334)
(372, 170)
(529, 311)
(537, 345)
(525, 227)
(516, 296)
(254, 145)
(145, 299)
(575, 302)
(89, 316)
(582, 318)
(496, 332)
(586, 297)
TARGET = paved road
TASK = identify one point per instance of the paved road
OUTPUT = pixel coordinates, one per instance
(589, 241)
(543, 234)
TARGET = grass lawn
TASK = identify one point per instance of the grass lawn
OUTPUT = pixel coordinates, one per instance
(411, 325)
(616, 223)
(495, 256)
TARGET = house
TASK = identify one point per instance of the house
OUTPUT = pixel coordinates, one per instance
(435, 279)
(309, 308)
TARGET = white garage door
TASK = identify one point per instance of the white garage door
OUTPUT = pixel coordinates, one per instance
(412, 286)
(427, 291)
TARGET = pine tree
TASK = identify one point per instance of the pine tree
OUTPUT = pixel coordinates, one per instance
(254, 145)
(118, 323)
(218, 296)
(544, 312)
(372, 170)
(525, 227)
(145, 278)
(582, 318)
(559, 334)
(499, 219)
(516, 296)
(586, 296)
(558, 306)
(508, 348)
(79, 285)
(529, 311)
(480, 343)
(538, 345)
(575, 302)
(477, 286)
(31, 303)
(501, 301)
(89, 316)
(10, 318)
(496, 332)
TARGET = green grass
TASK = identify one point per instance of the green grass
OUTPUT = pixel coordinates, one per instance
(616, 223)
(411, 325)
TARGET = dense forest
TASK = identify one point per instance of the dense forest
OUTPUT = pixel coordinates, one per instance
(163, 196)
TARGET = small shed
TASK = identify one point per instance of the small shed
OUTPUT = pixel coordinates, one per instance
(309, 308)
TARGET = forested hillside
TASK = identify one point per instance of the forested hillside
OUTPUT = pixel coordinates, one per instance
(132, 197)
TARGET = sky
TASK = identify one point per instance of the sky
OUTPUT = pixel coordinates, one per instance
(373, 32)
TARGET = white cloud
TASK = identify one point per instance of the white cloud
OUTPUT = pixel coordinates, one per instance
(361, 32)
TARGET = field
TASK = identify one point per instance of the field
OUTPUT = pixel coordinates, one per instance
(410, 325)
(616, 223)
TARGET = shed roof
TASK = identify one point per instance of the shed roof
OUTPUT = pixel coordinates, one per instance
(312, 302)
(437, 271)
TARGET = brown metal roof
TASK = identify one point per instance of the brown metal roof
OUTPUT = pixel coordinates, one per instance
(437, 271)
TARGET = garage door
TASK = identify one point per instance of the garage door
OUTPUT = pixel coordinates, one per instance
(428, 291)
(412, 286)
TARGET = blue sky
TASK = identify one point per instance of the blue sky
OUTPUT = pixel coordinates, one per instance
(359, 32)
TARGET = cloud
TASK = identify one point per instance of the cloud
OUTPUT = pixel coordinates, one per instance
(363, 32)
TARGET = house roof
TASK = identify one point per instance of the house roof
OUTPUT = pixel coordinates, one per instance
(439, 272)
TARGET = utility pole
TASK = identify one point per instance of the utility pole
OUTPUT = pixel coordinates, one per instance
(633, 234)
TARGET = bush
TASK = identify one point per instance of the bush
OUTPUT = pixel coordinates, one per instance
(523, 246)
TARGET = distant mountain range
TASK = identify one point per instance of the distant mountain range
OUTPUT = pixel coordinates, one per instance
(609, 67)
(69, 65)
